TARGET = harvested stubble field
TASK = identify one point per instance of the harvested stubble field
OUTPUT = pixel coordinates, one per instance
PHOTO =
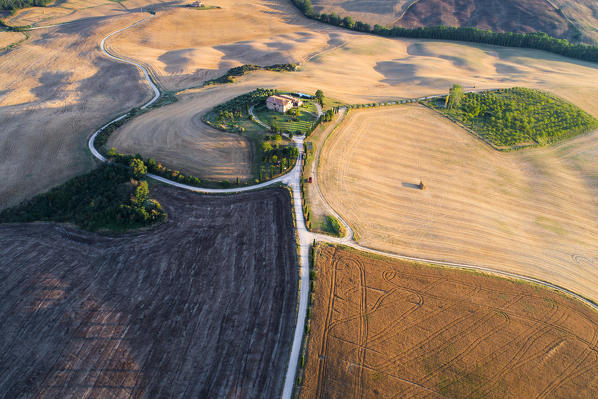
(202, 306)
(176, 135)
(184, 47)
(9, 38)
(55, 89)
(395, 329)
(90, 11)
(533, 212)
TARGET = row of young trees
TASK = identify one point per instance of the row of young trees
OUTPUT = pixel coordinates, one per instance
(518, 116)
(232, 73)
(534, 40)
(111, 197)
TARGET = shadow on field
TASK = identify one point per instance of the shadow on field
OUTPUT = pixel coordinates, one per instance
(410, 185)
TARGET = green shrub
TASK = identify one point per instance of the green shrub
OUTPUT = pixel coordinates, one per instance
(333, 226)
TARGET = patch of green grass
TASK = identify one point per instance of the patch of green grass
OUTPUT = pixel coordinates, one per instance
(301, 123)
(334, 227)
(329, 103)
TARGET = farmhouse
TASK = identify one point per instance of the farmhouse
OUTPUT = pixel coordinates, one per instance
(282, 103)
(296, 102)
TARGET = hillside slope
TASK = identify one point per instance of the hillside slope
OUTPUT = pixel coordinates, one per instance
(575, 21)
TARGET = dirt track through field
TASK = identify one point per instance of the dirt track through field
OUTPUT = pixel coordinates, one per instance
(202, 306)
(388, 328)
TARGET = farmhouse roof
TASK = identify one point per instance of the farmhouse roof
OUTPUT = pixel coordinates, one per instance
(278, 100)
(288, 97)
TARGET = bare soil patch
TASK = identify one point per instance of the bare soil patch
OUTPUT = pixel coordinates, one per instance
(499, 16)
(390, 328)
(201, 306)
(532, 212)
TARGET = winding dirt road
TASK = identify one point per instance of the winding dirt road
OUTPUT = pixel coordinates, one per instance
(293, 180)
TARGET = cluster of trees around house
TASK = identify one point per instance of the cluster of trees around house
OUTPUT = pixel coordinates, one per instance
(225, 116)
(10, 5)
(516, 116)
(276, 158)
(229, 77)
(112, 197)
(534, 40)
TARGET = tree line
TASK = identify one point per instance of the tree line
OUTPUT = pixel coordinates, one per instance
(231, 74)
(534, 40)
(113, 197)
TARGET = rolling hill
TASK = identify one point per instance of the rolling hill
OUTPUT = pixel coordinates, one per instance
(567, 19)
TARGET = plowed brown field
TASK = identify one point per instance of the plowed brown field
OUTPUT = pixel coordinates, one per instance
(202, 306)
(533, 212)
(384, 328)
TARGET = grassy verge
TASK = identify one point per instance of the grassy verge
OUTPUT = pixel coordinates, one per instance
(112, 197)
(515, 118)
(306, 333)
(316, 217)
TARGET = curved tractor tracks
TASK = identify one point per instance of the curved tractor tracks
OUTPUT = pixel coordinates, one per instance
(305, 237)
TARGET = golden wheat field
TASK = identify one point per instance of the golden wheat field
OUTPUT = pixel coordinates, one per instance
(384, 328)
(88, 11)
(354, 70)
(184, 47)
(533, 212)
